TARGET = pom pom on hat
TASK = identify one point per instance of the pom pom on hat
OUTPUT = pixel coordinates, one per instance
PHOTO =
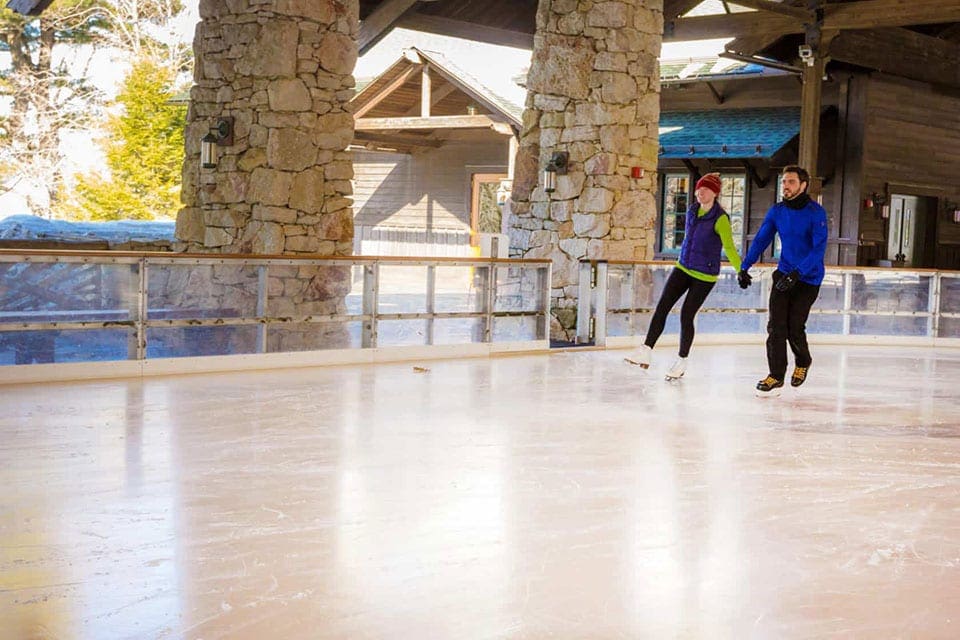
(710, 181)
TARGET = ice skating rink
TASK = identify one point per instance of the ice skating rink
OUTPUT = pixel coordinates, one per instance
(567, 495)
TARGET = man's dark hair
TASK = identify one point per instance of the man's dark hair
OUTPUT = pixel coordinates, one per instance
(800, 171)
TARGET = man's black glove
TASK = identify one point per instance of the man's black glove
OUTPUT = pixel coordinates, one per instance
(786, 282)
(744, 279)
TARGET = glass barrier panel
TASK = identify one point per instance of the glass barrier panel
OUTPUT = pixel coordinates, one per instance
(457, 330)
(403, 289)
(618, 324)
(619, 290)
(831, 293)
(458, 289)
(828, 324)
(395, 333)
(354, 299)
(63, 345)
(515, 329)
(719, 322)
(67, 292)
(949, 294)
(308, 290)
(313, 336)
(888, 326)
(890, 292)
(949, 328)
(177, 292)
(517, 288)
(185, 342)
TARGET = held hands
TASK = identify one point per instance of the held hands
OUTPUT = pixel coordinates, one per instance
(744, 279)
(786, 282)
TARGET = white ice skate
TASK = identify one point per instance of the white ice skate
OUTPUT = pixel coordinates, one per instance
(642, 359)
(677, 370)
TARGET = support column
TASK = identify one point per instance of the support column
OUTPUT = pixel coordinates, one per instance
(810, 121)
(594, 92)
(282, 70)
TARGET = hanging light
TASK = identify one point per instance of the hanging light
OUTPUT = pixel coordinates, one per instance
(220, 135)
(556, 165)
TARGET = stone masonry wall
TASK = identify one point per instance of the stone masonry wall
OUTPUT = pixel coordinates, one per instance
(283, 70)
(593, 91)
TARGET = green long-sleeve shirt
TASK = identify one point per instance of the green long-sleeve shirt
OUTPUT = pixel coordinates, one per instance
(722, 227)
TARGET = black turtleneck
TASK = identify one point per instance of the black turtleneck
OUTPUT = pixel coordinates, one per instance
(799, 202)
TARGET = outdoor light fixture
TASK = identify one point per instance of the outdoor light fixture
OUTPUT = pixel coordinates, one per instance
(220, 135)
(880, 206)
(556, 165)
(954, 209)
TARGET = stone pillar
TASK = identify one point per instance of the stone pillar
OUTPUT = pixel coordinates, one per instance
(283, 70)
(594, 92)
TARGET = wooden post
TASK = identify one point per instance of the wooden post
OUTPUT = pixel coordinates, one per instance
(425, 92)
(810, 121)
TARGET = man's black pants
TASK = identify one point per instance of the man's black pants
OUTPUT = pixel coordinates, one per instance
(788, 324)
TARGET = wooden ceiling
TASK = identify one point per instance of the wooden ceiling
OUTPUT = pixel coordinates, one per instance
(918, 39)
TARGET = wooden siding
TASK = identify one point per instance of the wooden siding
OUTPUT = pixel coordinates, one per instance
(911, 142)
(427, 190)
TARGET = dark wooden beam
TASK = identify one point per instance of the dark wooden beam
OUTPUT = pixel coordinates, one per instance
(28, 7)
(864, 14)
(380, 21)
(747, 23)
(754, 174)
(363, 137)
(810, 102)
(676, 8)
(433, 122)
(870, 14)
(716, 94)
(466, 30)
(900, 52)
(777, 7)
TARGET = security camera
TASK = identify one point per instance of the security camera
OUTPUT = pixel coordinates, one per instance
(806, 54)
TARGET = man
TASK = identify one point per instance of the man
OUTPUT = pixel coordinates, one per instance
(802, 226)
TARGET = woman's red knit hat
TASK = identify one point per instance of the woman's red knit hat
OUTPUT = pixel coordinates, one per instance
(710, 181)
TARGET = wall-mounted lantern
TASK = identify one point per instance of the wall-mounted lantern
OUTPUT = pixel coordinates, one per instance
(953, 209)
(556, 166)
(220, 135)
(878, 202)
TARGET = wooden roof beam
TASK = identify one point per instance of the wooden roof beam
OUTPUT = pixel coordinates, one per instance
(433, 122)
(676, 8)
(378, 22)
(777, 7)
(864, 14)
(380, 95)
(363, 137)
(900, 52)
(466, 30)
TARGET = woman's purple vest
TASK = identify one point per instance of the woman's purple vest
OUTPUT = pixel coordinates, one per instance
(701, 246)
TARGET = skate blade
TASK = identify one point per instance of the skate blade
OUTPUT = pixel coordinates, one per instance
(670, 378)
(642, 365)
(768, 394)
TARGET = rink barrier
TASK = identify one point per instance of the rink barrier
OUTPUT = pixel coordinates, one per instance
(856, 304)
(137, 313)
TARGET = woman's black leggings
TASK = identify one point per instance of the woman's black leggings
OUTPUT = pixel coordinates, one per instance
(677, 284)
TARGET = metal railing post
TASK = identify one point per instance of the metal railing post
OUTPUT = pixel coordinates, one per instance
(544, 281)
(431, 300)
(588, 272)
(599, 311)
(262, 282)
(371, 295)
(933, 322)
(489, 302)
(847, 301)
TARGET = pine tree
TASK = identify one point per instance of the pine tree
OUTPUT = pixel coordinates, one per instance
(144, 151)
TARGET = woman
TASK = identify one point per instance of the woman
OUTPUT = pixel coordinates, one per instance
(706, 231)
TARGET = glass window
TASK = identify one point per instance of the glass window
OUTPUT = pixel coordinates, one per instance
(676, 196)
(733, 201)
